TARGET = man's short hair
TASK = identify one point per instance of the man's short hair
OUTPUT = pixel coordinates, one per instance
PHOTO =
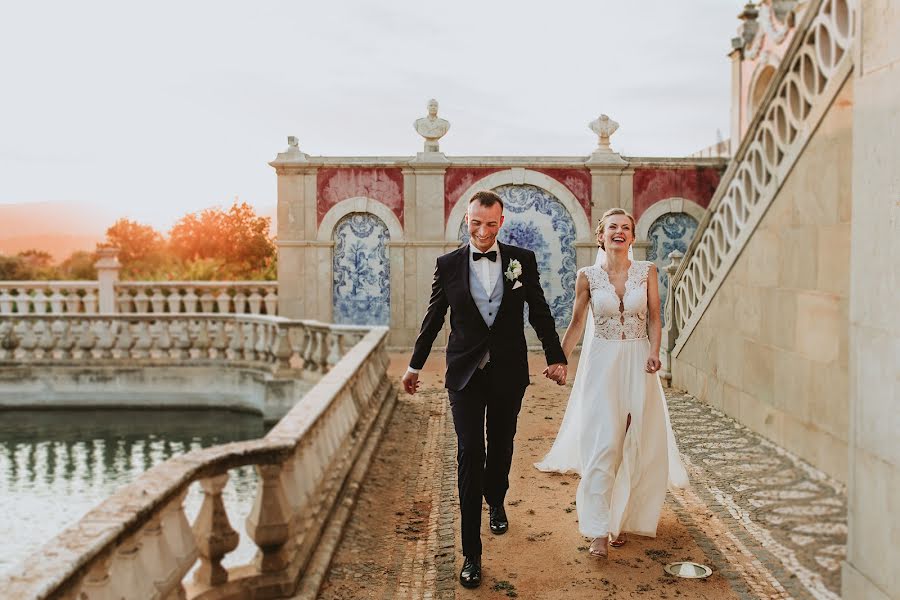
(486, 198)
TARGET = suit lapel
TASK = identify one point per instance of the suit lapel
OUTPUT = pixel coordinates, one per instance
(505, 258)
(463, 273)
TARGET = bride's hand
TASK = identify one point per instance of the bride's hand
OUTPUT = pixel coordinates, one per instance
(653, 364)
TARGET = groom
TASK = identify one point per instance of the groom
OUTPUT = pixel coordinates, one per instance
(485, 285)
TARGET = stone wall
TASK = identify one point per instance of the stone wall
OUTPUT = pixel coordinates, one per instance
(771, 349)
(873, 552)
(358, 236)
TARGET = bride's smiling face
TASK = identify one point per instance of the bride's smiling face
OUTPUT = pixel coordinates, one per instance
(617, 233)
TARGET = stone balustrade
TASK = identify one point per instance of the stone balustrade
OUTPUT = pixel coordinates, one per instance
(814, 68)
(239, 297)
(42, 297)
(139, 543)
(171, 297)
(272, 343)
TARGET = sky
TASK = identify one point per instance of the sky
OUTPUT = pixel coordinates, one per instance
(151, 110)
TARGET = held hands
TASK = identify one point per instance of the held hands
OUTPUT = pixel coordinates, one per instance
(653, 364)
(411, 382)
(557, 372)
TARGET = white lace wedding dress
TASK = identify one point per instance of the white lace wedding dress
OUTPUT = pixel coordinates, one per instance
(623, 474)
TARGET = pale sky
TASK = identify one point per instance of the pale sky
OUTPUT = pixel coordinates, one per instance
(150, 110)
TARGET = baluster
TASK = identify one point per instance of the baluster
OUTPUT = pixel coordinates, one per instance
(124, 341)
(174, 300)
(162, 341)
(72, 301)
(213, 533)
(97, 583)
(271, 301)
(106, 338)
(46, 340)
(28, 340)
(123, 298)
(90, 301)
(268, 523)
(40, 302)
(220, 339)
(9, 341)
(322, 355)
(254, 301)
(180, 540)
(223, 301)
(157, 301)
(6, 302)
(126, 570)
(182, 344)
(206, 301)
(22, 301)
(190, 300)
(201, 343)
(261, 348)
(249, 349)
(334, 353)
(239, 302)
(141, 300)
(670, 326)
(57, 301)
(143, 345)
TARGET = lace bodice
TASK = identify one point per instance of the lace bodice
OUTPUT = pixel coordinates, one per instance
(615, 320)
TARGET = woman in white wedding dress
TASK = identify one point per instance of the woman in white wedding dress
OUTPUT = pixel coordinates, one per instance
(616, 432)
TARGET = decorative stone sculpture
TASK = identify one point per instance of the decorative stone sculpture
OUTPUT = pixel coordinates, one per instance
(432, 127)
(604, 127)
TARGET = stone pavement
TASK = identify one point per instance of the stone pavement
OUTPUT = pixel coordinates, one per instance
(769, 525)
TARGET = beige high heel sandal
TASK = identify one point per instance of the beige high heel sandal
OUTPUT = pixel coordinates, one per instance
(598, 552)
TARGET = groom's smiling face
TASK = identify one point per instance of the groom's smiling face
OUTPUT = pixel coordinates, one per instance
(484, 223)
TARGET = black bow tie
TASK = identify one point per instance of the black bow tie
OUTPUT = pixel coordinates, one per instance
(491, 256)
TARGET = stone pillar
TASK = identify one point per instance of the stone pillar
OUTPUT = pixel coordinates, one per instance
(670, 329)
(612, 184)
(736, 56)
(870, 570)
(300, 256)
(423, 216)
(107, 266)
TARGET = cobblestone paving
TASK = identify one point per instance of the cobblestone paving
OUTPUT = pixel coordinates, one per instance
(768, 524)
(780, 523)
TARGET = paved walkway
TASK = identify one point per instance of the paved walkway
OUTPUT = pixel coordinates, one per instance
(769, 525)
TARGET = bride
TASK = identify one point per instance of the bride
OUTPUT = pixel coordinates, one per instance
(616, 432)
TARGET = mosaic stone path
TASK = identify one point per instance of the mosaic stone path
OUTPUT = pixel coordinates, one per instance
(768, 524)
(785, 521)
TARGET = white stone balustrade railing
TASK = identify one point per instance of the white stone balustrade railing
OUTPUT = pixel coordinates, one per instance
(813, 70)
(139, 544)
(42, 297)
(272, 343)
(82, 297)
(239, 297)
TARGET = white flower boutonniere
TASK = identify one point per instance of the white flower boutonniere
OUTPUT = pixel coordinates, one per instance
(514, 270)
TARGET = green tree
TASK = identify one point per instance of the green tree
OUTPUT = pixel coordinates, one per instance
(79, 266)
(238, 236)
(142, 249)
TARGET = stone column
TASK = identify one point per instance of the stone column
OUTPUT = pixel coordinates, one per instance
(299, 260)
(107, 267)
(424, 223)
(611, 185)
(870, 570)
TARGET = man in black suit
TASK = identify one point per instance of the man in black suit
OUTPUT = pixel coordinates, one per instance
(485, 285)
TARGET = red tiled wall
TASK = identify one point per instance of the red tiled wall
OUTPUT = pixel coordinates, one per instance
(334, 184)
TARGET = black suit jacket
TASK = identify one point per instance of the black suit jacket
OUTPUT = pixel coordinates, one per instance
(470, 336)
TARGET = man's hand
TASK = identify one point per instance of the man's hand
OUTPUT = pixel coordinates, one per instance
(411, 382)
(557, 372)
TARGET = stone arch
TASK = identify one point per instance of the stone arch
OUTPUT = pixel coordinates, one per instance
(359, 204)
(662, 207)
(759, 83)
(518, 176)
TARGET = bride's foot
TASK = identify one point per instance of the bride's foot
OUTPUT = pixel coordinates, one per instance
(619, 541)
(598, 547)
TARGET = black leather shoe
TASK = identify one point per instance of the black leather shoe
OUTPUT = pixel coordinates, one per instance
(499, 522)
(470, 576)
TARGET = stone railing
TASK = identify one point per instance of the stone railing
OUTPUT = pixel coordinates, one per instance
(41, 297)
(239, 297)
(273, 343)
(814, 68)
(83, 297)
(139, 543)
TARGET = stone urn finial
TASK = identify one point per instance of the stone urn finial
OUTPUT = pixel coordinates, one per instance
(604, 127)
(432, 127)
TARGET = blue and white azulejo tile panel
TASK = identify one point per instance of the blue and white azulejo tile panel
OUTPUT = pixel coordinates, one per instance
(670, 232)
(361, 290)
(537, 220)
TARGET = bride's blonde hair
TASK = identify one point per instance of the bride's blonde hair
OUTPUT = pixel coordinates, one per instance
(606, 216)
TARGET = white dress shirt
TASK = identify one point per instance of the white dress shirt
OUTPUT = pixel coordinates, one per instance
(487, 272)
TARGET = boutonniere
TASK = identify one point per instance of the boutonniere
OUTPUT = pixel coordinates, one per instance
(514, 270)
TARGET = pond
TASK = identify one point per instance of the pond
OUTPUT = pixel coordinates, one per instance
(57, 465)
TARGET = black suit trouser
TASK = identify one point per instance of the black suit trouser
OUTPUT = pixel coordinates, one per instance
(480, 471)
